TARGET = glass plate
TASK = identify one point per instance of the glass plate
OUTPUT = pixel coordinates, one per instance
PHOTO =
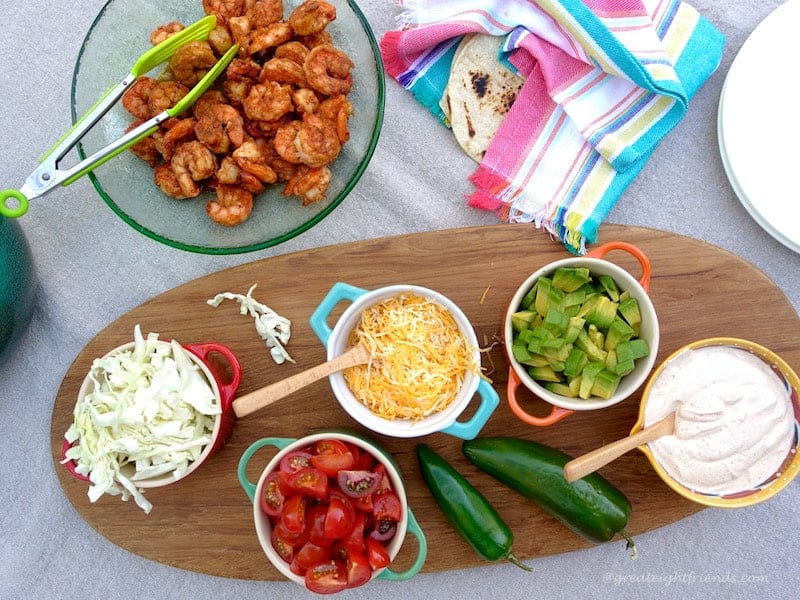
(119, 35)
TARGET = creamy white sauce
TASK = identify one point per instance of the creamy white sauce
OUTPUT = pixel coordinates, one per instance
(733, 419)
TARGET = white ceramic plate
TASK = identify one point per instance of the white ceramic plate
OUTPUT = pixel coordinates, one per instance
(758, 124)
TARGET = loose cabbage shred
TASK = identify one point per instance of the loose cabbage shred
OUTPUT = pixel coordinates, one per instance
(150, 407)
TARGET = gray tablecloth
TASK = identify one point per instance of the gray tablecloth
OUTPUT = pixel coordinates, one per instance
(93, 268)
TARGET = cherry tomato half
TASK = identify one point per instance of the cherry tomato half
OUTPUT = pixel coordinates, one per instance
(282, 546)
(358, 483)
(310, 481)
(383, 530)
(326, 577)
(308, 556)
(377, 554)
(295, 460)
(330, 446)
(315, 525)
(331, 464)
(358, 569)
(293, 515)
(340, 517)
(272, 497)
(386, 506)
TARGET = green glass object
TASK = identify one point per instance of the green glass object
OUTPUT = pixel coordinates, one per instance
(17, 282)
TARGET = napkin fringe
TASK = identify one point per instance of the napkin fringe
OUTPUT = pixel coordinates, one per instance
(493, 193)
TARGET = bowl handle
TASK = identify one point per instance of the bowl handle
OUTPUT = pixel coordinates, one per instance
(469, 429)
(227, 390)
(247, 485)
(422, 553)
(556, 414)
(601, 251)
(319, 318)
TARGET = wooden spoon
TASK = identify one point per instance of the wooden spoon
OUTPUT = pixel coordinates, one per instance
(357, 355)
(591, 461)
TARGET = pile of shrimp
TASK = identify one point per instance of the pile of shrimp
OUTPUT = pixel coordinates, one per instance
(278, 115)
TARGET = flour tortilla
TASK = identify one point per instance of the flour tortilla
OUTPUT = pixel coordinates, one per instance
(479, 93)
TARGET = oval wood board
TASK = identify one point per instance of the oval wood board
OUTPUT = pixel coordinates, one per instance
(204, 523)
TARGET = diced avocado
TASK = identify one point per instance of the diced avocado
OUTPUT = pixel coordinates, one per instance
(557, 353)
(525, 336)
(610, 287)
(633, 349)
(624, 295)
(569, 279)
(605, 384)
(555, 364)
(576, 298)
(596, 335)
(576, 361)
(536, 360)
(555, 321)
(624, 366)
(574, 328)
(548, 296)
(527, 299)
(575, 385)
(522, 319)
(611, 361)
(629, 309)
(594, 352)
(520, 352)
(545, 373)
(600, 310)
(619, 331)
(561, 389)
(590, 373)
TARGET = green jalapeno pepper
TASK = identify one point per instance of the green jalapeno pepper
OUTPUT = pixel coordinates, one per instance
(591, 507)
(470, 513)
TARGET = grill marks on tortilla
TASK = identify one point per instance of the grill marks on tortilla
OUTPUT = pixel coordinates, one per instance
(479, 93)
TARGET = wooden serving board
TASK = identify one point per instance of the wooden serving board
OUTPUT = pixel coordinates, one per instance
(204, 523)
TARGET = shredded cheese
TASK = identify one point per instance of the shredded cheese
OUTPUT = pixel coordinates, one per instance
(419, 358)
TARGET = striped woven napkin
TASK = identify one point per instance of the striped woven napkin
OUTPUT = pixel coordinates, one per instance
(605, 81)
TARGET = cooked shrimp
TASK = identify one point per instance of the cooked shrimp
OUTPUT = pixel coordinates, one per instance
(327, 70)
(220, 127)
(241, 75)
(232, 205)
(308, 183)
(317, 141)
(206, 101)
(165, 178)
(268, 101)
(293, 50)
(285, 143)
(147, 148)
(316, 39)
(192, 162)
(337, 110)
(224, 9)
(165, 94)
(251, 158)
(220, 39)
(283, 70)
(229, 172)
(305, 100)
(180, 132)
(165, 31)
(272, 35)
(311, 17)
(251, 183)
(264, 12)
(240, 28)
(192, 61)
(137, 97)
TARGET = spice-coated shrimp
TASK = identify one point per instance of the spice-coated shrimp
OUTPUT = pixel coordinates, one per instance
(309, 183)
(327, 70)
(311, 17)
(192, 61)
(317, 141)
(231, 206)
(220, 127)
(191, 163)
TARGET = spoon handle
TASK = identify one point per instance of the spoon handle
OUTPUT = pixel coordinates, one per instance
(249, 403)
(592, 461)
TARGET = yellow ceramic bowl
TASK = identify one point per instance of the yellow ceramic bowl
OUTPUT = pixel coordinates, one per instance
(790, 466)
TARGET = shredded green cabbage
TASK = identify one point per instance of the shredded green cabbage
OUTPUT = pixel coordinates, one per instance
(274, 329)
(149, 407)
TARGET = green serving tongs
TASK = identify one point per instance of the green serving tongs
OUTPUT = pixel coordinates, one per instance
(48, 176)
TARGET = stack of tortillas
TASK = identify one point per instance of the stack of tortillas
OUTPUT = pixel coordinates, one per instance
(479, 93)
